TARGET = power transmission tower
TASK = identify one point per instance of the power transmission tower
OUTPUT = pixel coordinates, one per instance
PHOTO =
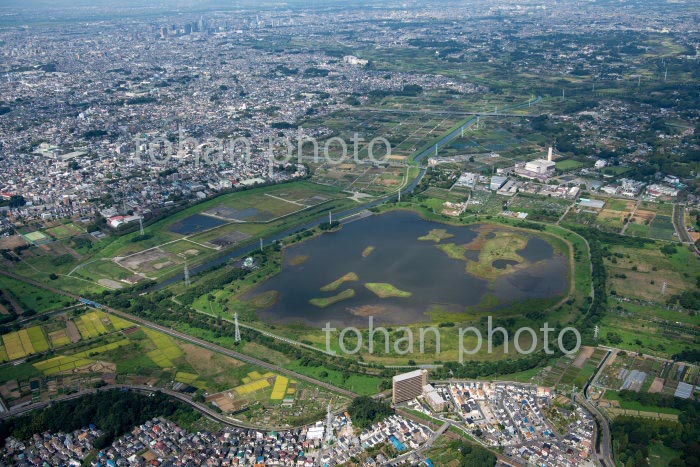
(237, 337)
(187, 275)
(141, 226)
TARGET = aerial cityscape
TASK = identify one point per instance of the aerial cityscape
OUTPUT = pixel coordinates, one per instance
(350, 233)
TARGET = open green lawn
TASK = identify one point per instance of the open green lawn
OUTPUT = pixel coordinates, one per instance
(569, 164)
(361, 384)
(33, 298)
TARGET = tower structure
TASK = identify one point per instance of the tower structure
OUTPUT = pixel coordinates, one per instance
(237, 337)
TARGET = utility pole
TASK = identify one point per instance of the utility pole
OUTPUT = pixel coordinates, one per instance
(261, 245)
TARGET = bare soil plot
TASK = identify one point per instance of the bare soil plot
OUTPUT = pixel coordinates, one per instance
(229, 239)
(582, 356)
(13, 241)
(657, 385)
(150, 260)
(72, 331)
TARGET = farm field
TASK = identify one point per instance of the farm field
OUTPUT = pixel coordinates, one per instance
(642, 272)
(568, 371)
(63, 231)
(33, 298)
(135, 355)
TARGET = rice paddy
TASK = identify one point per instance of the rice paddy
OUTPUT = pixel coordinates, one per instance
(59, 338)
(90, 325)
(22, 343)
(61, 364)
(279, 390)
(166, 349)
(254, 382)
(184, 377)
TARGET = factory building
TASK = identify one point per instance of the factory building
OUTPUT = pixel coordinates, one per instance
(541, 169)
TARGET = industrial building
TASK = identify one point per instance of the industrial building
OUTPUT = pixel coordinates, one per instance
(541, 169)
(408, 386)
(497, 181)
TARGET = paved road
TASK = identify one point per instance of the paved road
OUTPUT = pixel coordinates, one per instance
(230, 421)
(503, 460)
(193, 340)
(679, 224)
(447, 112)
(427, 445)
(605, 452)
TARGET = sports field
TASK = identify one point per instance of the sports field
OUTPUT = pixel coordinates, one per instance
(64, 231)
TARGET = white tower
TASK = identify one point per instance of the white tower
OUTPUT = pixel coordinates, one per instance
(330, 217)
(237, 338)
(187, 275)
(549, 154)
